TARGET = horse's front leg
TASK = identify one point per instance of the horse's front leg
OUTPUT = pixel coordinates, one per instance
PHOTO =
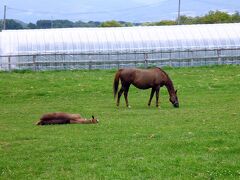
(157, 96)
(151, 96)
(119, 95)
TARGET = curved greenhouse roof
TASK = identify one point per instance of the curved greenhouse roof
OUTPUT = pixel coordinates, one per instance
(119, 39)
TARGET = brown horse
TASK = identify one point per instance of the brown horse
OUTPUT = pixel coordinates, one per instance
(65, 118)
(144, 79)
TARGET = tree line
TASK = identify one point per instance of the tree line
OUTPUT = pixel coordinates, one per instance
(210, 18)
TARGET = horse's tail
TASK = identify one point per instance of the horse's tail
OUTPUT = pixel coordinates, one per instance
(116, 82)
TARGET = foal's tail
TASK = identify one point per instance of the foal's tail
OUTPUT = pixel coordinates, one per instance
(39, 123)
(116, 82)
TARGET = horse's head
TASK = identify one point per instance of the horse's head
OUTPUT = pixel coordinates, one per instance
(174, 99)
(94, 120)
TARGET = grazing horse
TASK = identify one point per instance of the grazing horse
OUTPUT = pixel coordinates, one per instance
(144, 79)
(65, 118)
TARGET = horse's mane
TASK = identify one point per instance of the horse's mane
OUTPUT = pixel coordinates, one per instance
(169, 83)
(164, 72)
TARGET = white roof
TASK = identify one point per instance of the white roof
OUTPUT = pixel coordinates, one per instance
(115, 39)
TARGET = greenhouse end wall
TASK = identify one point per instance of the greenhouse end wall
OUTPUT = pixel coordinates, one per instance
(108, 48)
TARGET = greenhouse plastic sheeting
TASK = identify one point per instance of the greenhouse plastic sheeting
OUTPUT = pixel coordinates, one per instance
(119, 39)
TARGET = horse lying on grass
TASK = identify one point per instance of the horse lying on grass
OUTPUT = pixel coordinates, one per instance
(65, 118)
(153, 78)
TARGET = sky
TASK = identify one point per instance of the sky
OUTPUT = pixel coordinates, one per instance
(120, 10)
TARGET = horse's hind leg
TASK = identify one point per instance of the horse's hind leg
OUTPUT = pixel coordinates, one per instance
(151, 96)
(126, 95)
(80, 121)
(157, 96)
(119, 95)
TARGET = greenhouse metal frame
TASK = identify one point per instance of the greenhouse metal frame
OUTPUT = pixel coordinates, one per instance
(117, 47)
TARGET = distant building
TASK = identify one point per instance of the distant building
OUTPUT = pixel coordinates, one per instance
(90, 48)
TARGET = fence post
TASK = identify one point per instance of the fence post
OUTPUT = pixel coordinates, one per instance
(34, 63)
(170, 59)
(90, 65)
(145, 60)
(219, 57)
(192, 60)
(9, 64)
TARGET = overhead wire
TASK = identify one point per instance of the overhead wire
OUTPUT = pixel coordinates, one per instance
(81, 12)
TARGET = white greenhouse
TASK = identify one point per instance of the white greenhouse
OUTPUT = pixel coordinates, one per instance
(104, 48)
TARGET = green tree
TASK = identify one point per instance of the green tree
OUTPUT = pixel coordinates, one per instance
(165, 22)
(62, 24)
(215, 17)
(125, 24)
(31, 26)
(128, 24)
(160, 23)
(187, 20)
(236, 17)
(112, 23)
(80, 24)
(88, 24)
(93, 24)
(44, 24)
(12, 24)
(210, 18)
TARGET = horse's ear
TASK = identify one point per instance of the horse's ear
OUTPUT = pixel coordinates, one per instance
(176, 92)
(92, 116)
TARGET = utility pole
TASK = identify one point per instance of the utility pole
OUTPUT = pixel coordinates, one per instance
(179, 6)
(4, 17)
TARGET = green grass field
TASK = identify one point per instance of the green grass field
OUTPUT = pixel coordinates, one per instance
(201, 139)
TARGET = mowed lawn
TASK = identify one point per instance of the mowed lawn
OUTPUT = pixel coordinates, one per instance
(201, 139)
